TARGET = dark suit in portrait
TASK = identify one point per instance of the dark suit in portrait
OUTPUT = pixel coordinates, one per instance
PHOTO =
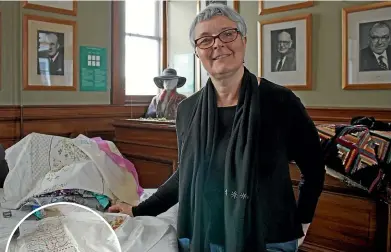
(285, 62)
(56, 63)
(370, 62)
(283, 50)
(50, 58)
(375, 54)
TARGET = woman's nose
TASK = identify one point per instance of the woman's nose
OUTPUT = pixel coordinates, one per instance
(217, 43)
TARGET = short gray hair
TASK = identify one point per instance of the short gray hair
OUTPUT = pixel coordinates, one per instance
(217, 9)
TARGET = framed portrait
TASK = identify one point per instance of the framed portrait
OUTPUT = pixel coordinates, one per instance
(61, 7)
(366, 46)
(201, 74)
(285, 46)
(201, 4)
(271, 6)
(49, 53)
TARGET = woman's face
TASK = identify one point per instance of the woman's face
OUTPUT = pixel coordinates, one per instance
(221, 58)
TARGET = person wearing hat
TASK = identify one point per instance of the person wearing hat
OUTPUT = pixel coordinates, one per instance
(165, 104)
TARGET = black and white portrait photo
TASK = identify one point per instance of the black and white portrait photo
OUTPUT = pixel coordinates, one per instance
(375, 46)
(234, 4)
(283, 50)
(366, 46)
(284, 54)
(50, 53)
(215, 2)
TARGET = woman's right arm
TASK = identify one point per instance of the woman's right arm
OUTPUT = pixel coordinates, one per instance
(162, 200)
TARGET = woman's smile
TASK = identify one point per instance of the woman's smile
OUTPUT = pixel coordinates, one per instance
(222, 56)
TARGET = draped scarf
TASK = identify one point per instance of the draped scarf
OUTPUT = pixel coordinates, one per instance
(241, 214)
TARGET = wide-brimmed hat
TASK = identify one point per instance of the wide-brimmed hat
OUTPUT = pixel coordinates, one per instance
(169, 74)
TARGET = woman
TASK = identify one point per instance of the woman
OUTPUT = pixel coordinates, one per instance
(236, 137)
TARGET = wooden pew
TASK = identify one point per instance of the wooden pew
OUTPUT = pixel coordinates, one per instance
(346, 219)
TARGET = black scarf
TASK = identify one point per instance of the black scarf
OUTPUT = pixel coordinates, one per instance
(243, 219)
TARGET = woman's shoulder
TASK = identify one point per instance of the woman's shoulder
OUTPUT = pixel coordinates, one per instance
(187, 104)
(273, 91)
(185, 109)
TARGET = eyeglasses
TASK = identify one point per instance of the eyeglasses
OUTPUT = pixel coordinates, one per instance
(383, 38)
(224, 36)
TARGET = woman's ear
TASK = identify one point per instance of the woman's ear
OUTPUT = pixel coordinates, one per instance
(245, 40)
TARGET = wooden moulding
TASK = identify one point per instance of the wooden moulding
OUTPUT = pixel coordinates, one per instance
(63, 120)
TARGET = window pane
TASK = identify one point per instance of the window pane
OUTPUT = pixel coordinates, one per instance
(142, 62)
(142, 17)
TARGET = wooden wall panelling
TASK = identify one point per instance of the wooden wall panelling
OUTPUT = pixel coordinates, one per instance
(69, 121)
(344, 115)
(62, 120)
(345, 219)
(151, 147)
(9, 125)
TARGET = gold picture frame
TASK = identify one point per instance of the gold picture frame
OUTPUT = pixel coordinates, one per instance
(361, 67)
(294, 69)
(263, 9)
(60, 7)
(49, 54)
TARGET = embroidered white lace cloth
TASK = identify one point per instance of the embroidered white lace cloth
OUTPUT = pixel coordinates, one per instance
(74, 232)
(45, 163)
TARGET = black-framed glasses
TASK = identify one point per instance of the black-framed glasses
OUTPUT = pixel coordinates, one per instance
(383, 38)
(225, 36)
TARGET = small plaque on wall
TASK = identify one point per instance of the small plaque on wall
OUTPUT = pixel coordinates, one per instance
(93, 68)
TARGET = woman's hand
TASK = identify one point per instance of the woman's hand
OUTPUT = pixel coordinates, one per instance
(121, 208)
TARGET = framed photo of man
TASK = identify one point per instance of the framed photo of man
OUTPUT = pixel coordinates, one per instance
(285, 46)
(201, 4)
(271, 6)
(366, 46)
(201, 74)
(61, 7)
(49, 53)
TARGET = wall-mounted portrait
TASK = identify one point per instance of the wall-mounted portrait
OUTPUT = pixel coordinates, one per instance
(61, 7)
(285, 51)
(201, 4)
(267, 7)
(283, 54)
(49, 54)
(366, 43)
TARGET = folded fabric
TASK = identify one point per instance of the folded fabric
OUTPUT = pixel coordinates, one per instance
(357, 155)
(92, 200)
(77, 232)
(119, 160)
(41, 164)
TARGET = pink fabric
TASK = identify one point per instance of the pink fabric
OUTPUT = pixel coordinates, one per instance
(120, 161)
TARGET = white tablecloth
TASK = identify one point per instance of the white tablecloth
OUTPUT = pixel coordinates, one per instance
(152, 234)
